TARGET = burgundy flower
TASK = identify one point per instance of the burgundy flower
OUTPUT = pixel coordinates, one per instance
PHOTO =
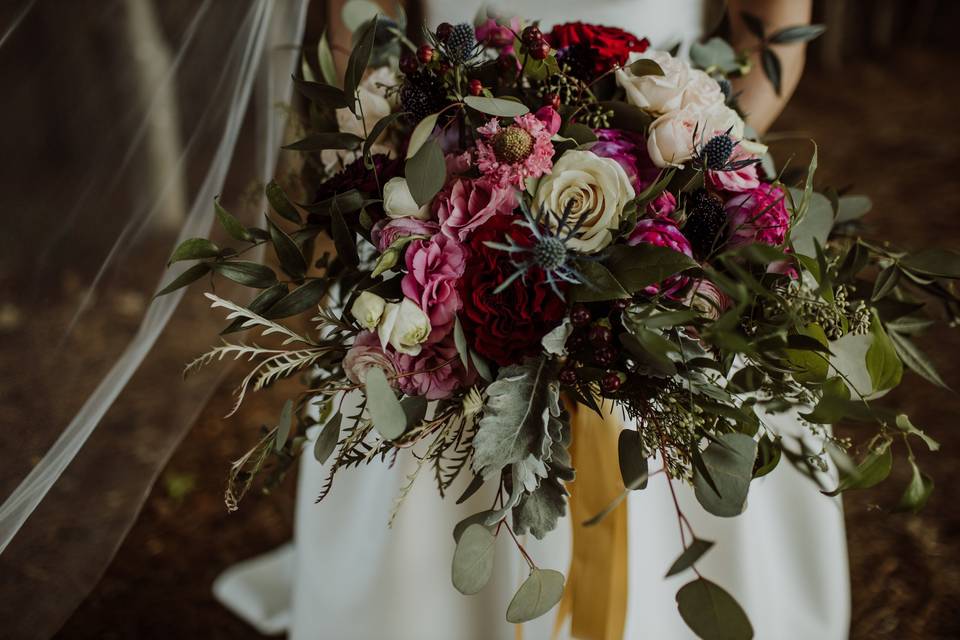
(662, 232)
(602, 47)
(758, 215)
(507, 326)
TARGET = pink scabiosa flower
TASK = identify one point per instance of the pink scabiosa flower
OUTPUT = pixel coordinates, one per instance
(758, 215)
(736, 180)
(466, 204)
(663, 205)
(435, 373)
(388, 231)
(629, 149)
(509, 155)
(662, 232)
(707, 299)
(433, 268)
(365, 353)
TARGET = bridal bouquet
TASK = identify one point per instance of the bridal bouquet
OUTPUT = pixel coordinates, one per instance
(524, 222)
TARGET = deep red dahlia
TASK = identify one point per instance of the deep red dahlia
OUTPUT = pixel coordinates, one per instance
(507, 326)
(605, 46)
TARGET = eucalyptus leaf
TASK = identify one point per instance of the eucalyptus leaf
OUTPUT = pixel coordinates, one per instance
(356, 12)
(539, 593)
(426, 172)
(730, 464)
(626, 116)
(327, 440)
(284, 425)
(421, 133)
(712, 613)
(473, 559)
(460, 340)
(385, 410)
(460, 527)
(689, 556)
(496, 106)
(634, 469)
(753, 23)
(714, 53)
(853, 207)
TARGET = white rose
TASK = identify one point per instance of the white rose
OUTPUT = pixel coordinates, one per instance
(368, 309)
(398, 202)
(404, 326)
(672, 137)
(596, 188)
(720, 118)
(658, 94)
(702, 90)
(375, 106)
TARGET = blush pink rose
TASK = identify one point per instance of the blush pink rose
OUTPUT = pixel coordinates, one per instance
(466, 204)
(663, 205)
(434, 373)
(365, 353)
(389, 230)
(758, 215)
(433, 268)
(738, 181)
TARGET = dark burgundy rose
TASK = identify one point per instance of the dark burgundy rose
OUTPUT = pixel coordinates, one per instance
(603, 47)
(357, 176)
(507, 326)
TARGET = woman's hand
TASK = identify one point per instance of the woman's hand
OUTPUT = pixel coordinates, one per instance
(758, 99)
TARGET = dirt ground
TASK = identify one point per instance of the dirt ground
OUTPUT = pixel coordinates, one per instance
(883, 128)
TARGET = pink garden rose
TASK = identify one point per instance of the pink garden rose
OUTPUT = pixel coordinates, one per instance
(466, 204)
(435, 373)
(738, 181)
(663, 205)
(758, 215)
(662, 232)
(388, 231)
(366, 352)
(550, 118)
(629, 149)
(433, 268)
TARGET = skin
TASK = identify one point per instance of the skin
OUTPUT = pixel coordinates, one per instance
(758, 99)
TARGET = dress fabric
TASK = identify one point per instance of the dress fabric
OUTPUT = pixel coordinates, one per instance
(346, 576)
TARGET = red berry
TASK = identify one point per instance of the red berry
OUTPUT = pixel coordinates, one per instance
(425, 53)
(568, 375)
(600, 335)
(580, 315)
(551, 100)
(540, 51)
(443, 31)
(531, 36)
(610, 382)
(605, 356)
(408, 63)
(476, 87)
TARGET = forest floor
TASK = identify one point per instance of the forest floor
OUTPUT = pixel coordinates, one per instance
(884, 129)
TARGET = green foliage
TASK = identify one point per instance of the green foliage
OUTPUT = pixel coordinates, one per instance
(712, 613)
(500, 107)
(728, 463)
(426, 172)
(539, 593)
(327, 440)
(386, 413)
(473, 559)
(689, 557)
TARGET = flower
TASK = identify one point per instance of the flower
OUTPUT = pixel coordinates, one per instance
(507, 326)
(663, 205)
(737, 180)
(404, 326)
(386, 232)
(550, 118)
(368, 309)
(758, 215)
(466, 204)
(398, 202)
(604, 47)
(662, 232)
(497, 35)
(594, 189)
(706, 299)
(510, 155)
(434, 373)
(629, 149)
(374, 106)
(656, 94)
(702, 91)
(365, 353)
(433, 268)
(671, 138)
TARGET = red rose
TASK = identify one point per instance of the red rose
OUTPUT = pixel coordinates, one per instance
(603, 47)
(507, 326)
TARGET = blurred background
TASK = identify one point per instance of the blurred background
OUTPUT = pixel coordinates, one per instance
(880, 97)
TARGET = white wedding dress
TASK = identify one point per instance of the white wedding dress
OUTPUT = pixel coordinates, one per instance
(346, 576)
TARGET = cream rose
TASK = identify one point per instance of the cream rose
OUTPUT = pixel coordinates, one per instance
(702, 90)
(375, 106)
(398, 202)
(404, 326)
(596, 188)
(671, 139)
(658, 94)
(368, 309)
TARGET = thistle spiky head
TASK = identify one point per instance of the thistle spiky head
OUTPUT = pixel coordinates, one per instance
(550, 253)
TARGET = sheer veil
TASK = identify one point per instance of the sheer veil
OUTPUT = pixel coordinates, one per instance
(123, 119)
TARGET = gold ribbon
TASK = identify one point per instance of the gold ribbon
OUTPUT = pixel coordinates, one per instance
(595, 597)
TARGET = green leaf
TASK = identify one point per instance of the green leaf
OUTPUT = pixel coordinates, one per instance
(322, 94)
(885, 283)
(769, 453)
(833, 404)
(712, 613)
(460, 340)
(480, 365)
(259, 305)
(249, 274)
(904, 424)
(496, 106)
(940, 263)
(539, 593)
(279, 202)
(689, 556)
(714, 53)
(809, 366)
(753, 23)
(650, 347)
(473, 559)
(299, 300)
(600, 284)
(638, 267)
(289, 254)
(378, 130)
(230, 224)
(799, 33)
(730, 465)
(916, 360)
(645, 67)
(385, 410)
(327, 440)
(328, 68)
(634, 469)
(347, 202)
(873, 470)
(284, 425)
(194, 249)
(359, 59)
(326, 140)
(192, 274)
(850, 208)
(883, 363)
(414, 410)
(343, 239)
(426, 172)
(917, 492)
(814, 226)
(421, 133)
(626, 116)
(579, 133)
(477, 518)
